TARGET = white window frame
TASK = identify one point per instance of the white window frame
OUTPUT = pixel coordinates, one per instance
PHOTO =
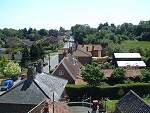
(61, 72)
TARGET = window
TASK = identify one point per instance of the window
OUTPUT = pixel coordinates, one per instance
(61, 72)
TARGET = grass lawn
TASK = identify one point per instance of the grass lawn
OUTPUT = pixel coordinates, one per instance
(111, 104)
(147, 100)
(134, 44)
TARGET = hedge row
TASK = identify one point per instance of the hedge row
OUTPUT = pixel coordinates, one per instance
(76, 92)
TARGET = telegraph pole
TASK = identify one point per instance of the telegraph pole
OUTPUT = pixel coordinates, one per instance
(53, 102)
(49, 63)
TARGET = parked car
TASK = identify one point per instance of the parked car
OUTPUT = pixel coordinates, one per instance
(7, 84)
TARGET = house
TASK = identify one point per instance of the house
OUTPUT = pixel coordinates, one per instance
(27, 42)
(128, 59)
(94, 49)
(85, 53)
(30, 92)
(53, 39)
(68, 68)
(84, 57)
(130, 73)
(132, 103)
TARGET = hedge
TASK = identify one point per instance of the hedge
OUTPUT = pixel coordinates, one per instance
(76, 92)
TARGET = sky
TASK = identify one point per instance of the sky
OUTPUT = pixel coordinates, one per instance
(51, 14)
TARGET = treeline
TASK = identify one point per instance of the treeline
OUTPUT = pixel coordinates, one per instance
(30, 33)
(105, 32)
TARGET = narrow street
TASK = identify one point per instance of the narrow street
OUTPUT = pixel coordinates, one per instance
(53, 63)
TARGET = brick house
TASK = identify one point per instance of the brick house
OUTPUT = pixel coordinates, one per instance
(85, 53)
(30, 92)
(68, 68)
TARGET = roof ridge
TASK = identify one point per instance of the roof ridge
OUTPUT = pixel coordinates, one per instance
(40, 88)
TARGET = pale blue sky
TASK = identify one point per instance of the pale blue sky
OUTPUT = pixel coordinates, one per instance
(66, 13)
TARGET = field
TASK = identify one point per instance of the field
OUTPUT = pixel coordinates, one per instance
(134, 44)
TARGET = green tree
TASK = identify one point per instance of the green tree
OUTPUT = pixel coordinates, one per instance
(25, 56)
(145, 75)
(118, 75)
(34, 52)
(12, 70)
(3, 63)
(43, 32)
(37, 51)
(92, 74)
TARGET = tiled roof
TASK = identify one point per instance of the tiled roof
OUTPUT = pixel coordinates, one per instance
(90, 46)
(72, 65)
(132, 103)
(129, 72)
(82, 53)
(34, 91)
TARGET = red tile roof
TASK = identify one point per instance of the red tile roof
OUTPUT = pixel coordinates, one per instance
(129, 72)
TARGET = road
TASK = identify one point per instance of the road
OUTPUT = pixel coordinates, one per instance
(53, 63)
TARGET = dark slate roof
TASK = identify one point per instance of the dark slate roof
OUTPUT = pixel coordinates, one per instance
(27, 42)
(23, 93)
(50, 84)
(132, 103)
(51, 39)
(34, 91)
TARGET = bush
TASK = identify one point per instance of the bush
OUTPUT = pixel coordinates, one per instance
(146, 76)
(112, 92)
(92, 74)
(12, 70)
(118, 76)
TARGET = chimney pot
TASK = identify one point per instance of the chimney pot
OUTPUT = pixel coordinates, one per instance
(86, 48)
(39, 66)
(92, 47)
(31, 72)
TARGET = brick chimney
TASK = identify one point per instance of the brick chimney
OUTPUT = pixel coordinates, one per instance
(92, 48)
(39, 66)
(86, 48)
(31, 72)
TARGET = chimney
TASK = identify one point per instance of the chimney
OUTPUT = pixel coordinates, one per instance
(86, 48)
(65, 53)
(31, 72)
(39, 66)
(92, 47)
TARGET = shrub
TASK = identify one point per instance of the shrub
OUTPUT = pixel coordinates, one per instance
(146, 75)
(12, 70)
(118, 76)
(92, 74)
(111, 92)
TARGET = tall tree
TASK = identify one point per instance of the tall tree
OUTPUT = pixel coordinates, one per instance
(25, 56)
(92, 74)
(43, 32)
